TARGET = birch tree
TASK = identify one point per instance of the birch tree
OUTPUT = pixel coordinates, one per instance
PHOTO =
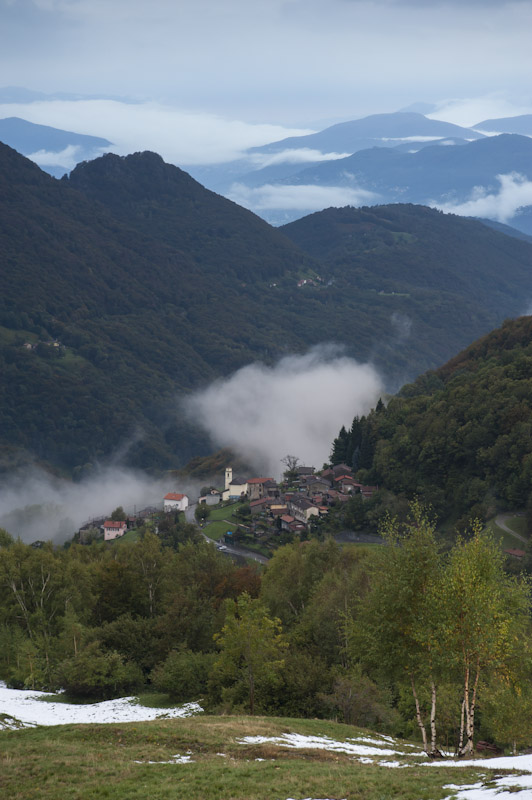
(484, 608)
(398, 619)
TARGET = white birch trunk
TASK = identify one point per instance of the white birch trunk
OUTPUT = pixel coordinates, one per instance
(419, 717)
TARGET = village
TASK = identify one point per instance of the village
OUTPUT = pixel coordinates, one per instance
(257, 512)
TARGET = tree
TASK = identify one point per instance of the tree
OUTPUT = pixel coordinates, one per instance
(251, 648)
(340, 445)
(118, 514)
(202, 512)
(99, 674)
(397, 628)
(291, 463)
(485, 614)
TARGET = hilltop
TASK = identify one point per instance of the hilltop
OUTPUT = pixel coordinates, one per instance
(459, 436)
(129, 284)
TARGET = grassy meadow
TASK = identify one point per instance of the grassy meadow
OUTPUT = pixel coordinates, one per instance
(101, 761)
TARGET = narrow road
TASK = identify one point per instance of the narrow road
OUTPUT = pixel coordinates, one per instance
(500, 521)
(234, 550)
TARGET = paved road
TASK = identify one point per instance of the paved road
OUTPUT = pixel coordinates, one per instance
(231, 550)
(236, 550)
(500, 521)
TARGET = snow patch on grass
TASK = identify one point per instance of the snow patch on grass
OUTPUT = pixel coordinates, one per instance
(27, 707)
(299, 742)
(177, 759)
(492, 789)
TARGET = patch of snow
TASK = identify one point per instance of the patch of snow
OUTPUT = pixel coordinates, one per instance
(364, 760)
(27, 706)
(393, 764)
(523, 763)
(520, 785)
(298, 742)
(177, 759)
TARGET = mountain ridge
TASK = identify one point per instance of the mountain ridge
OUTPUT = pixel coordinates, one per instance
(129, 285)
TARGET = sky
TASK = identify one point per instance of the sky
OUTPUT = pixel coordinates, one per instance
(203, 80)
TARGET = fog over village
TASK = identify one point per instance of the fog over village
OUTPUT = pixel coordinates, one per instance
(266, 399)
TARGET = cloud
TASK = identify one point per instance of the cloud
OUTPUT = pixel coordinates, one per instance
(515, 191)
(38, 506)
(179, 136)
(296, 406)
(67, 158)
(298, 198)
(469, 111)
(301, 155)
(400, 139)
(401, 325)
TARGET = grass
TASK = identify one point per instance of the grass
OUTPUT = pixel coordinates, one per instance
(216, 530)
(130, 536)
(156, 700)
(225, 512)
(517, 524)
(78, 762)
(505, 539)
(216, 526)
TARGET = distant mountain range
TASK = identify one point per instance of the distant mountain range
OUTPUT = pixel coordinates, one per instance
(434, 175)
(128, 284)
(387, 158)
(521, 124)
(384, 158)
(55, 150)
(278, 160)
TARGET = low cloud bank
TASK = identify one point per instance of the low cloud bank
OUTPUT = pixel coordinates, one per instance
(296, 407)
(469, 111)
(298, 198)
(301, 155)
(35, 505)
(181, 137)
(67, 158)
(515, 191)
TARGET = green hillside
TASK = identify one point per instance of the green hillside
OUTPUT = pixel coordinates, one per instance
(415, 249)
(461, 435)
(138, 760)
(129, 284)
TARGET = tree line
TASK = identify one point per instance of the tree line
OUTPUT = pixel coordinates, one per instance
(408, 638)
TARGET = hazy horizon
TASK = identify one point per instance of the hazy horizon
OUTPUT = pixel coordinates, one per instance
(201, 82)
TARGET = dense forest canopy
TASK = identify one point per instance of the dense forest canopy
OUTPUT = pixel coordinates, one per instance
(129, 284)
(459, 436)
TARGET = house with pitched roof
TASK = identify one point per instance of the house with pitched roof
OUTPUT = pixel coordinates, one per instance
(113, 529)
(175, 502)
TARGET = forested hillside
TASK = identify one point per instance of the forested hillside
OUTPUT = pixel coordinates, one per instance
(459, 436)
(129, 284)
(359, 634)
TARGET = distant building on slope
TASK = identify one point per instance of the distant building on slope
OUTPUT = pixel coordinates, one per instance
(175, 502)
(113, 529)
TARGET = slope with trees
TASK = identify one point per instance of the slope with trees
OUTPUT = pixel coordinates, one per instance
(459, 436)
(129, 284)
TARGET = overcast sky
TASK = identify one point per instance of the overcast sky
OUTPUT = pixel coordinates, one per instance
(237, 67)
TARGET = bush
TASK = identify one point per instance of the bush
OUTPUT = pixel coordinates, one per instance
(184, 674)
(98, 674)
